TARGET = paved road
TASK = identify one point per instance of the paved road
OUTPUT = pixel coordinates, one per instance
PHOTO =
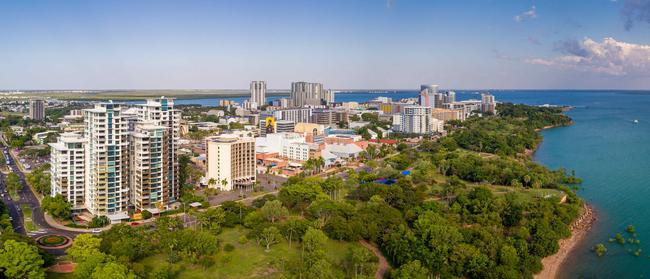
(27, 197)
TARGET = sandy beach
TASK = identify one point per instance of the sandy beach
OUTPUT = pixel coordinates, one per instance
(579, 229)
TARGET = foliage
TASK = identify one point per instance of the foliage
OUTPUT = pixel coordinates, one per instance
(13, 183)
(146, 214)
(99, 221)
(57, 206)
(21, 260)
(39, 181)
(273, 211)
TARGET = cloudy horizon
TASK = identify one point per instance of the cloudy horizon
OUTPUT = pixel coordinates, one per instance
(378, 44)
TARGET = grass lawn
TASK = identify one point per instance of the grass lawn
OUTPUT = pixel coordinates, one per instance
(14, 195)
(27, 216)
(249, 260)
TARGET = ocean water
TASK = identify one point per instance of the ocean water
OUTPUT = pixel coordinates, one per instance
(606, 149)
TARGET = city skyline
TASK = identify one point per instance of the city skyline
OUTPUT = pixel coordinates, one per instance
(341, 44)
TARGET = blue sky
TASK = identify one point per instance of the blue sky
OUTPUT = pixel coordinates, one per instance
(343, 44)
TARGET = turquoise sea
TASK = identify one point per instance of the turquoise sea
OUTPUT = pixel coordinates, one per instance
(606, 149)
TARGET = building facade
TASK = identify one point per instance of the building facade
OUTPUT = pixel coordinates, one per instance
(147, 166)
(67, 169)
(258, 93)
(488, 103)
(310, 94)
(106, 160)
(231, 162)
(161, 112)
(36, 109)
(417, 120)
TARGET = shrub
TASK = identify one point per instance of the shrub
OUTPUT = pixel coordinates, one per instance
(146, 214)
(228, 247)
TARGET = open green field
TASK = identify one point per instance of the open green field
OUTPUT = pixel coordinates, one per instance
(27, 217)
(248, 260)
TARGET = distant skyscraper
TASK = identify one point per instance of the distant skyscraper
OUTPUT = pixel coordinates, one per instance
(488, 103)
(37, 109)
(258, 93)
(306, 93)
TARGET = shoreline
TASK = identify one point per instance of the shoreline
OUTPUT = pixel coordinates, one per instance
(579, 229)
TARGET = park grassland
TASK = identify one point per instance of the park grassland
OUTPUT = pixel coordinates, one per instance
(247, 260)
(27, 216)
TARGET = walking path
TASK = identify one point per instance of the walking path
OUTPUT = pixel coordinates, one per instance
(383, 266)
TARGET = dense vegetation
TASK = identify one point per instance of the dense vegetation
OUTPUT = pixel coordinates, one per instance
(512, 131)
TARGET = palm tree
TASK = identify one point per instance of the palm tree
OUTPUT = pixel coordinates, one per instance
(212, 182)
(320, 163)
(224, 183)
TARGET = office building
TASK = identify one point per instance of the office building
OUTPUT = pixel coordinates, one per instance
(329, 117)
(231, 162)
(290, 114)
(36, 109)
(417, 120)
(68, 169)
(258, 92)
(488, 103)
(310, 94)
(161, 112)
(270, 125)
(106, 173)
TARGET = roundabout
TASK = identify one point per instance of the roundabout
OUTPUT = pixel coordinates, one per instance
(53, 241)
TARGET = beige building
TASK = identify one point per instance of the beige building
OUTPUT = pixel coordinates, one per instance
(448, 114)
(231, 162)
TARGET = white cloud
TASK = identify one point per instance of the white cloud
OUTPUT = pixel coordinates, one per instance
(530, 14)
(609, 57)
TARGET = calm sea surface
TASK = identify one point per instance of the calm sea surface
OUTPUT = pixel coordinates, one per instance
(605, 147)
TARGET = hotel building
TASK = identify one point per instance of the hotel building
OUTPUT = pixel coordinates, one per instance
(231, 161)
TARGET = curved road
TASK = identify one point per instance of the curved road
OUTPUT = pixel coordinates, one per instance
(27, 197)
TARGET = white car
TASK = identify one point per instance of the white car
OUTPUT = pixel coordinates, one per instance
(96, 231)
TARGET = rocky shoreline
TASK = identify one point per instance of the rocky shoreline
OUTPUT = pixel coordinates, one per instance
(579, 229)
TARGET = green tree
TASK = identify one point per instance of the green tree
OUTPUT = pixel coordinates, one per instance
(273, 211)
(57, 206)
(21, 260)
(313, 243)
(411, 270)
(112, 270)
(212, 219)
(270, 236)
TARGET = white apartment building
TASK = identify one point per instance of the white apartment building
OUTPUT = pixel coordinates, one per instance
(161, 112)
(258, 93)
(147, 166)
(417, 120)
(488, 103)
(106, 160)
(68, 169)
(231, 161)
